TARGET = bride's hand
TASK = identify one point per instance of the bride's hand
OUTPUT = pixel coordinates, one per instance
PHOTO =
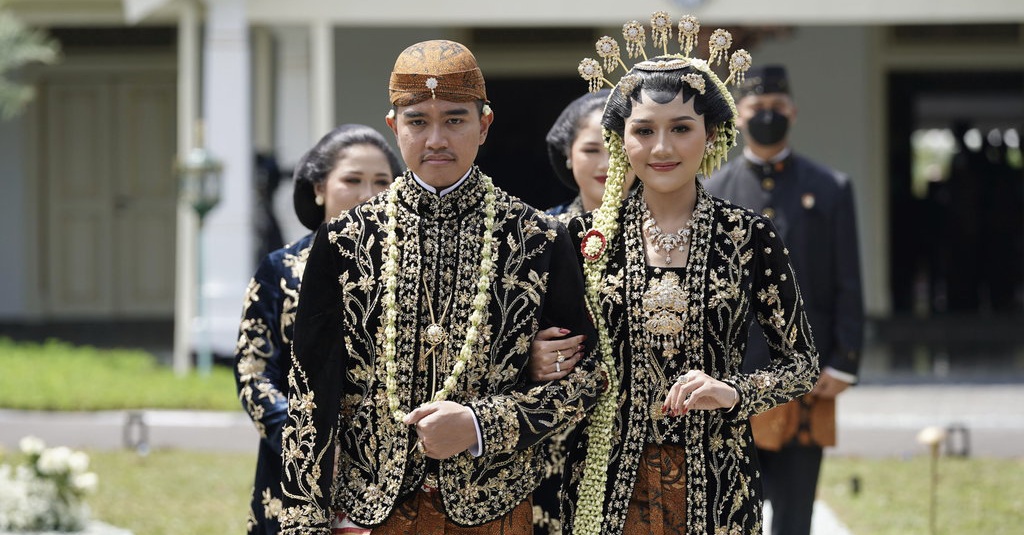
(552, 358)
(698, 390)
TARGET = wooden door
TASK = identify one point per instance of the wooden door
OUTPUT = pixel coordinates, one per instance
(109, 194)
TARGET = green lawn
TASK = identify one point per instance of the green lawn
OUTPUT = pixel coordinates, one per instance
(973, 495)
(58, 376)
(188, 493)
(173, 492)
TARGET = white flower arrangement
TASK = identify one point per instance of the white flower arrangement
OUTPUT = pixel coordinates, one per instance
(46, 491)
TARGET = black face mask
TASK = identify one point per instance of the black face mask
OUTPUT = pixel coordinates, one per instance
(768, 127)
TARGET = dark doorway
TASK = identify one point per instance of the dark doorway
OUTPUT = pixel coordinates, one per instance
(515, 153)
(956, 217)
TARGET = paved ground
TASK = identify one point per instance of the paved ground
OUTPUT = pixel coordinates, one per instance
(884, 420)
(873, 421)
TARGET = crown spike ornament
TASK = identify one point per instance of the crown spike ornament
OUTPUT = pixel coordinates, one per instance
(689, 28)
(719, 44)
(661, 30)
(635, 36)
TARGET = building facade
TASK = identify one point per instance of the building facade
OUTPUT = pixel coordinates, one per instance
(93, 230)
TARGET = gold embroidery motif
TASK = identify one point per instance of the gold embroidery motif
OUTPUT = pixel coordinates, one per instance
(665, 305)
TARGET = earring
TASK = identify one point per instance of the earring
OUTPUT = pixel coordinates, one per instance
(568, 163)
(709, 144)
(319, 200)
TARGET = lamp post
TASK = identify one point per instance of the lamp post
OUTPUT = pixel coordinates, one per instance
(199, 175)
(933, 437)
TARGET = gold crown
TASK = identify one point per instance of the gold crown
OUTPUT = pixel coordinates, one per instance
(635, 36)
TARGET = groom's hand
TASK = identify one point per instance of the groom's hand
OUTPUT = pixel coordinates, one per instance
(445, 428)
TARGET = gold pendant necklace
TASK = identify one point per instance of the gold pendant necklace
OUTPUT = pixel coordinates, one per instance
(435, 334)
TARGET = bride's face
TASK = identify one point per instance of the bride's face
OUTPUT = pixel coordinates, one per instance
(665, 143)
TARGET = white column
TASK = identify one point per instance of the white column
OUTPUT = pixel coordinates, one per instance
(185, 246)
(228, 236)
(263, 88)
(322, 48)
(293, 134)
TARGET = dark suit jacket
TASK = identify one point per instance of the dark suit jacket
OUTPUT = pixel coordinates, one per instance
(812, 207)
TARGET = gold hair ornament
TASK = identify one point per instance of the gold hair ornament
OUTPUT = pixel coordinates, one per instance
(635, 36)
(661, 30)
(695, 81)
(689, 28)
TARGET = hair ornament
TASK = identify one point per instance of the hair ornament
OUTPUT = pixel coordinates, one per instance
(689, 27)
(719, 45)
(738, 66)
(608, 50)
(661, 30)
(636, 36)
(695, 81)
(591, 71)
(628, 83)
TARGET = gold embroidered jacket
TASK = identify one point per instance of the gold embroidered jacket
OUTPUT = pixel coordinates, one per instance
(337, 381)
(262, 358)
(737, 272)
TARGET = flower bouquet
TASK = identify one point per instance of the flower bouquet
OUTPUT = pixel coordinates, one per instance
(46, 491)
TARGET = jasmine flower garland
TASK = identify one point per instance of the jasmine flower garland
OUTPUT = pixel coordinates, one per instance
(590, 502)
(390, 276)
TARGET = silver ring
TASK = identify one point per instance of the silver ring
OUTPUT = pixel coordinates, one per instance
(558, 367)
(561, 357)
(682, 379)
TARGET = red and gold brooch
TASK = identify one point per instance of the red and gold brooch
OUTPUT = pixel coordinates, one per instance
(593, 244)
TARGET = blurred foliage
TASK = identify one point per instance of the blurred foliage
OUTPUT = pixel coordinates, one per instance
(20, 46)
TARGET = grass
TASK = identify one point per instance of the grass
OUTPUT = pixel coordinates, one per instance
(189, 493)
(55, 375)
(973, 495)
(170, 492)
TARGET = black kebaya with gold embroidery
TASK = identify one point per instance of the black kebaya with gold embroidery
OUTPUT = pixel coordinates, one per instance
(262, 358)
(737, 272)
(338, 380)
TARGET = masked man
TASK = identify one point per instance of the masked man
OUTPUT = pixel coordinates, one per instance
(812, 207)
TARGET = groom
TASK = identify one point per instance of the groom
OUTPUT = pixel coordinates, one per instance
(414, 324)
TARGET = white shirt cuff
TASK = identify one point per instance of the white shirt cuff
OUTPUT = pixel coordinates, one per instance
(848, 378)
(476, 449)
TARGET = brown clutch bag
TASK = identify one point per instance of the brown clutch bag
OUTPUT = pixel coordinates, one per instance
(804, 421)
